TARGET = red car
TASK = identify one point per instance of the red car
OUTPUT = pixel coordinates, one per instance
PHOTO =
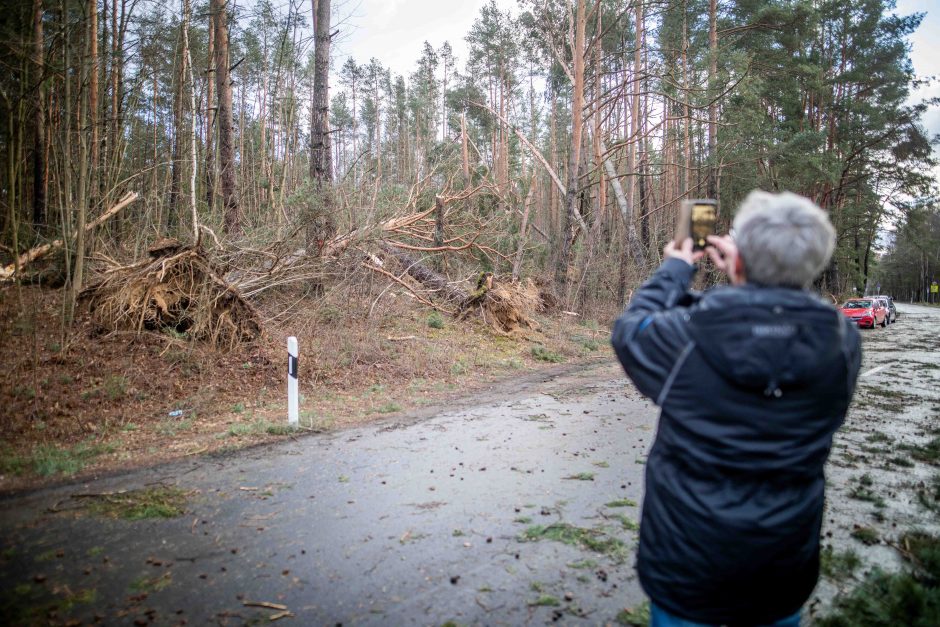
(867, 312)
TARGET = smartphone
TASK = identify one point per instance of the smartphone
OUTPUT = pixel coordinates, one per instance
(698, 220)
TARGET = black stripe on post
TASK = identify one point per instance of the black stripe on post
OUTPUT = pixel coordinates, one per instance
(292, 366)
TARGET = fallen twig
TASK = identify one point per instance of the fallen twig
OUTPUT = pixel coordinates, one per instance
(267, 604)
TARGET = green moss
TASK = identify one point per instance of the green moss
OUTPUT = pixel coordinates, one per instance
(838, 566)
(582, 476)
(155, 502)
(910, 597)
(865, 535)
(638, 616)
(591, 539)
(621, 503)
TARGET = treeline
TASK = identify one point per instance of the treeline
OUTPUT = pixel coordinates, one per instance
(912, 262)
(578, 125)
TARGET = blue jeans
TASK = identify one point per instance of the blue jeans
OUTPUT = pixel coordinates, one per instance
(661, 618)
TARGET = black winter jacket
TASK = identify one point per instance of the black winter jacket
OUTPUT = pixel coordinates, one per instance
(752, 382)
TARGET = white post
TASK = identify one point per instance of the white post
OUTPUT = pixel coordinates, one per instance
(292, 402)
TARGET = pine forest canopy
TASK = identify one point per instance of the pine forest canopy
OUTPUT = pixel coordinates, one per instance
(562, 144)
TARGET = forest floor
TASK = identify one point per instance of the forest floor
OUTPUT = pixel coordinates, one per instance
(78, 404)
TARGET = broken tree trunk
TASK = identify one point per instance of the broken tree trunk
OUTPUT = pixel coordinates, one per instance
(7, 272)
(434, 281)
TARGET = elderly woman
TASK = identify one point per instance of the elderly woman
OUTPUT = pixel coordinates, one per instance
(752, 379)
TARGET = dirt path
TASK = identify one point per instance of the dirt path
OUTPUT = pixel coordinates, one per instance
(518, 510)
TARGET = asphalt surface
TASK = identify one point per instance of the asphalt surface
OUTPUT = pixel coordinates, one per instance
(418, 521)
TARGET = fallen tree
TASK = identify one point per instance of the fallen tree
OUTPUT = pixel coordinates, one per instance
(9, 271)
(184, 289)
(176, 288)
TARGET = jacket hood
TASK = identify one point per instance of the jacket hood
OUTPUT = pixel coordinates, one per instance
(767, 337)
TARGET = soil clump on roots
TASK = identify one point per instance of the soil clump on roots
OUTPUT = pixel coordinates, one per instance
(177, 288)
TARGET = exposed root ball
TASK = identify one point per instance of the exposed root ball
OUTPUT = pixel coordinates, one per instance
(506, 307)
(177, 289)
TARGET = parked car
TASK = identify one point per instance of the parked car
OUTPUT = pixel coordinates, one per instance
(866, 312)
(892, 310)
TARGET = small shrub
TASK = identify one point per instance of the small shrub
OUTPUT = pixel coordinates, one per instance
(541, 353)
(838, 566)
(25, 392)
(115, 387)
(909, 597)
(435, 321)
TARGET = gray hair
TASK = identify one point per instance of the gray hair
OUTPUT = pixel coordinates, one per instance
(784, 239)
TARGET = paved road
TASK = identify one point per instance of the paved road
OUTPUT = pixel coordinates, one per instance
(400, 523)
(420, 521)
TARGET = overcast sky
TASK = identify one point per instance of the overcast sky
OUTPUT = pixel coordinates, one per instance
(394, 31)
(924, 53)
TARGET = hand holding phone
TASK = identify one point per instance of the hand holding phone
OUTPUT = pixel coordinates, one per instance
(698, 220)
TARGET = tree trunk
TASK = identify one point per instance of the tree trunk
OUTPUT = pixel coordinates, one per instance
(321, 162)
(85, 107)
(188, 64)
(577, 106)
(686, 110)
(231, 216)
(210, 118)
(463, 149)
(517, 262)
(39, 128)
(175, 161)
(713, 99)
(93, 96)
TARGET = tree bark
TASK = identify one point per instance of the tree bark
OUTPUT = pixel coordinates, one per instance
(321, 161)
(577, 113)
(93, 96)
(713, 99)
(230, 208)
(188, 64)
(210, 118)
(465, 154)
(39, 129)
(517, 262)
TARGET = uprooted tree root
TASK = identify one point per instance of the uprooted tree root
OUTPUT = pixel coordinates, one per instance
(176, 288)
(506, 307)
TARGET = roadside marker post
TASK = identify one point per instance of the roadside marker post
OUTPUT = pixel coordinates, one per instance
(293, 406)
